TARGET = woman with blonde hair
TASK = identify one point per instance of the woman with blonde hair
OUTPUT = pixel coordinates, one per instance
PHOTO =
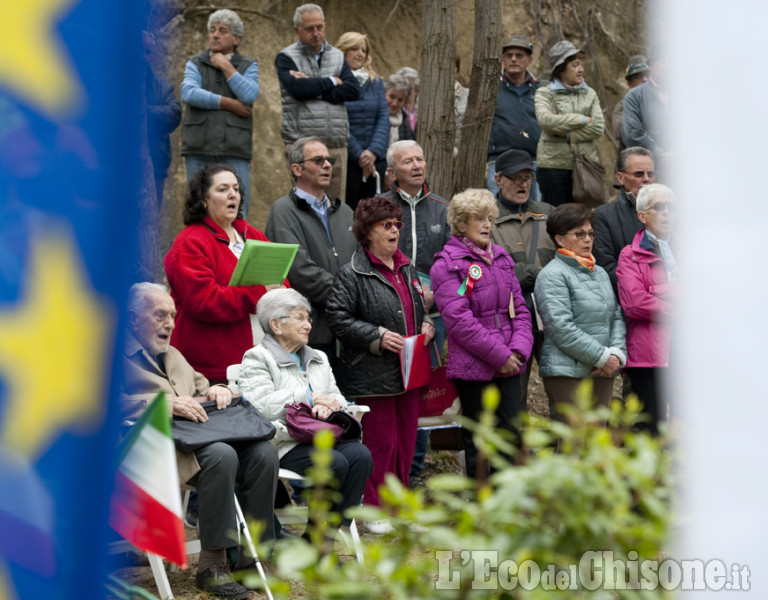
(487, 321)
(368, 120)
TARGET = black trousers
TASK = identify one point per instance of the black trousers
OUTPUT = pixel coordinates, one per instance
(646, 383)
(556, 185)
(510, 404)
(351, 466)
(252, 466)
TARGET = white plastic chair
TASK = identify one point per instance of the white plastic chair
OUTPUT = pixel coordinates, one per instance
(299, 514)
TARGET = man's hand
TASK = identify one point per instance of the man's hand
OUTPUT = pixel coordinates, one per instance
(330, 402)
(189, 408)
(223, 64)
(429, 299)
(234, 106)
(222, 395)
(298, 74)
(429, 330)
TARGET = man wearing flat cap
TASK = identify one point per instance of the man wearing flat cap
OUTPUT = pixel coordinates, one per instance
(520, 230)
(636, 74)
(514, 121)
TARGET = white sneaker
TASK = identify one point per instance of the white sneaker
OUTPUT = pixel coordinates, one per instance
(379, 527)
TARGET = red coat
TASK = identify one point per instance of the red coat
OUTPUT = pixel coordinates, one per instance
(213, 326)
(646, 299)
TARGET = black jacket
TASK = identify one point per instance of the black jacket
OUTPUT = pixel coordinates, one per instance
(361, 307)
(615, 225)
(293, 221)
(432, 232)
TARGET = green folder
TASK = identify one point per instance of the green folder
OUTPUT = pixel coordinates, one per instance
(263, 263)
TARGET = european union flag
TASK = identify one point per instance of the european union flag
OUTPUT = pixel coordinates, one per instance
(70, 123)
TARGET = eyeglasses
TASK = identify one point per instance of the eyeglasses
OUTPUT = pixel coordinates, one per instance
(318, 160)
(661, 206)
(581, 234)
(517, 55)
(521, 179)
(639, 174)
(390, 224)
(302, 319)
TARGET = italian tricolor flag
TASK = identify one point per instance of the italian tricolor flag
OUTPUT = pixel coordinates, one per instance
(146, 503)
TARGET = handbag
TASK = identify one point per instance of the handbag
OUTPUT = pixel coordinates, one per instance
(588, 181)
(439, 401)
(238, 422)
(302, 425)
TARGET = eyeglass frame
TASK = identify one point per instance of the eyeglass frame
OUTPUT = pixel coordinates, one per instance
(520, 179)
(390, 223)
(651, 174)
(307, 319)
(581, 234)
(318, 160)
(661, 205)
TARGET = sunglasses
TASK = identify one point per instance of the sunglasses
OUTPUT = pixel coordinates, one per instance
(639, 174)
(660, 206)
(390, 224)
(318, 160)
(581, 234)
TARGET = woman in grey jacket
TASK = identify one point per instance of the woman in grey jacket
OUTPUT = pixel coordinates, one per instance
(584, 332)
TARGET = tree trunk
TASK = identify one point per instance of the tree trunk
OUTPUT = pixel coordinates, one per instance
(436, 125)
(149, 267)
(483, 89)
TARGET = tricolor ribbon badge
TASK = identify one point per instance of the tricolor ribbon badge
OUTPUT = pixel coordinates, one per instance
(417, 284)
(474, 273)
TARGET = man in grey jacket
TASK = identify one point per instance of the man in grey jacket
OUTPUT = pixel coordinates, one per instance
(320, 225)
(315, 82)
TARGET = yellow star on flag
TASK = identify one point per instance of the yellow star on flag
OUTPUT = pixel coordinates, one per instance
(32, 57)
(54, 346)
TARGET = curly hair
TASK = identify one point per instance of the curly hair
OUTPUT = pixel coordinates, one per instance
(198, 189)
(370, 211)
(566, 217)
(229, 18)
(473, 202)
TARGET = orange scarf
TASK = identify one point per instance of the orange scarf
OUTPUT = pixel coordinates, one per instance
(584, 262)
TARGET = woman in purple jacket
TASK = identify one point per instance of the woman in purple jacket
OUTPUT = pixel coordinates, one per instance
(647, 274)
(486, 319)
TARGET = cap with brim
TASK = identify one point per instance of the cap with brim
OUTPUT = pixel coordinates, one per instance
(512, 162)
(561, 52)
(637, 64)
(518, 40)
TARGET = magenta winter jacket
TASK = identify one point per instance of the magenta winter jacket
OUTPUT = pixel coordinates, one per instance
(481, 335)
(646, 298)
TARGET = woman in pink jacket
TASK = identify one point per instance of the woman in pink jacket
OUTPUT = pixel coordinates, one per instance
(647, 274)
(486, 319)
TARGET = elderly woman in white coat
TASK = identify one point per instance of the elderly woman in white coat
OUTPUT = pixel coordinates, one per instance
(282, 370)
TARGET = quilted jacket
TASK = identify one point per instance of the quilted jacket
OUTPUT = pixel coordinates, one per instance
(583, 324)
(481, 334)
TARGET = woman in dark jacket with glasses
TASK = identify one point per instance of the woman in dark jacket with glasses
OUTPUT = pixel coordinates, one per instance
(375, 302)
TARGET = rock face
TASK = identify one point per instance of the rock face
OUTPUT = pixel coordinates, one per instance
(609, 31)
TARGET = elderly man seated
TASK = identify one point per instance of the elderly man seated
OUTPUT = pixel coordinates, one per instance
(150, 365)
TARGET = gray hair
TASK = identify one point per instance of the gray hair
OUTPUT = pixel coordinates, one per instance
(306, 8)
(277, 303)
(400, 145)
(399, 83)
(632, 151)
(137, 294)
(295, 152)
(230, 18)
(410, 74)
(648, 193)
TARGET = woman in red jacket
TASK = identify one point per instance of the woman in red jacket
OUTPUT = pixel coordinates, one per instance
(215, 321)
(647, 274)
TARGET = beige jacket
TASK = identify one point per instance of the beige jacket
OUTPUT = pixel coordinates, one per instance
(143, 379)
(560, 113)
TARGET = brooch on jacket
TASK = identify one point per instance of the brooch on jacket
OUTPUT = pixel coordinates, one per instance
(474, 273)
